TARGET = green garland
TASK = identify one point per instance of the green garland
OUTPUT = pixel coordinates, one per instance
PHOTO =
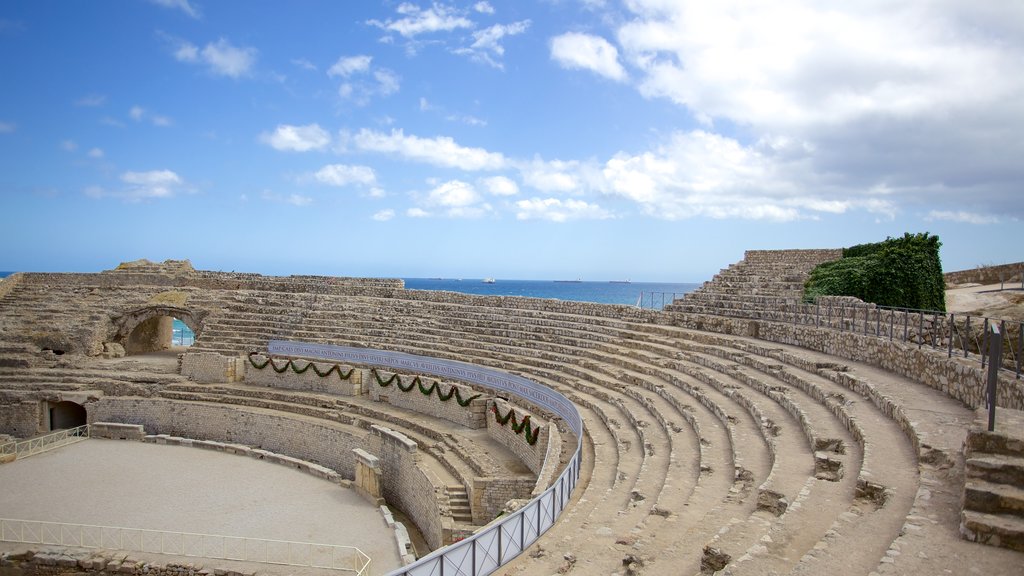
(531, 433)
(296, 369)
(418, 382)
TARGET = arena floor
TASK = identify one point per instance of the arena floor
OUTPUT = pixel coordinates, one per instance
(183, 489)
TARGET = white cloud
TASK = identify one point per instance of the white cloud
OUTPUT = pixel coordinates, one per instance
(186, 52)
(877, 92)
(91, 101)
(557, 210)
(586, 52)
(7, 127)
(221, 57)
(95, 153)
(139, 186)
(136, 113)
(227, 60)
(353, 70)
(417, 213)
(162, 121)
(343, 175)
(439, 151)
(487, 46)
(293, 199)
(453, 194)
(68, 145)
(304, 64)
(297, 138)
(182, 5)
(415, 20)
(298, 200)
(500, 186)
(384, 215)
(349, 65)
(553, 176)
(961, 216)
(483, 7)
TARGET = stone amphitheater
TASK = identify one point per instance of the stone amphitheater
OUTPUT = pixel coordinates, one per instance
(719, 435)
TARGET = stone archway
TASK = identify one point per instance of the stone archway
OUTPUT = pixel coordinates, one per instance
(65, 414)
(149, 329)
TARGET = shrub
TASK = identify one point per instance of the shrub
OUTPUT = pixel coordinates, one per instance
(900, 272)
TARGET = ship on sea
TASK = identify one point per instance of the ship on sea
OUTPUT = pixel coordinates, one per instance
(626, 281)
(489, 280)
(576, 281)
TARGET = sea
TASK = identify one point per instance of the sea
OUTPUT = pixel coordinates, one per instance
(645, 294)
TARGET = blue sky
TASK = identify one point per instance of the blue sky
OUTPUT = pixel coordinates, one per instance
(646, 139)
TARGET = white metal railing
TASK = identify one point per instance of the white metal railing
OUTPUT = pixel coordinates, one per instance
(282, 552)
(39, 444)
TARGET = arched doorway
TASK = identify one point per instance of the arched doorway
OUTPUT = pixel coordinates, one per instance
(64, 415)
(157, 328)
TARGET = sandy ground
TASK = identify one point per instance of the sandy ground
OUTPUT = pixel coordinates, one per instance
(182, 489)
(979, 300)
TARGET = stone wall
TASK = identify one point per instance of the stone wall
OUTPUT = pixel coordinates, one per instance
(410, 486)
(490, 495)
(986, 275)
(210, 367)
(308, 380)
(793, 256)
(317, 442)
(20, 419)
(532, 456)
(958, 378)
(472, 416)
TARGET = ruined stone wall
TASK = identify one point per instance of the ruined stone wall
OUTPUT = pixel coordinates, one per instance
(20, 419)
(986, 274)
(531, 455)
(472, 416)
(210, 367)
(410, 485)
(308, 380)
(317, 442)
(793, 256)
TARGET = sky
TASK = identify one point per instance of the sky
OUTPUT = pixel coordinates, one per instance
(534, 139)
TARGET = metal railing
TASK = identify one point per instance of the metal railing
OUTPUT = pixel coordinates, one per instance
(282, 552)
(40, 444)
(657, 300)
(959, 334)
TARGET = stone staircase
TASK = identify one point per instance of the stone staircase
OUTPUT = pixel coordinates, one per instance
(458, 503)
(763, 280)
(993, 497)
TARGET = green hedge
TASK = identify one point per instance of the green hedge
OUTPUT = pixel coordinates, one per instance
(901, 272)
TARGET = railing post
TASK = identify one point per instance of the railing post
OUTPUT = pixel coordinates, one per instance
(983, 348)
(920, 328)
(967, 333)
(995, 343)
(952, 324)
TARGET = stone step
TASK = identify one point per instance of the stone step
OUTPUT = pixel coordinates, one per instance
(993, 529)
(458, 503)
(987, 497)
(998, 468)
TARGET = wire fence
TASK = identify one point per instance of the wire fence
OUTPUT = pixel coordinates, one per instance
(39, 444)
(956, 334)
(281, 552)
